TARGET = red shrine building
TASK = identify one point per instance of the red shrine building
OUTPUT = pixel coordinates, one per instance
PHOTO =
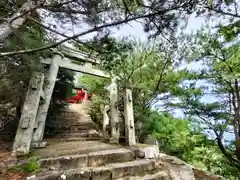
(78, 95)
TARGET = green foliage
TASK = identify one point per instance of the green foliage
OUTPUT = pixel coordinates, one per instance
(100, 97)
(209, 95)
(94, 84)
(115, 51)
(172, 134)
(19, 68)
(140, 67)
(230, 31)
(31, 165)
(176, 137)
(16, 70)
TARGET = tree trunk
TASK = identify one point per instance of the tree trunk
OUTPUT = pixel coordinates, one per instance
(18, 19)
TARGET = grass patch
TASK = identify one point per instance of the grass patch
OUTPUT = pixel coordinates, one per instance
(31, 165)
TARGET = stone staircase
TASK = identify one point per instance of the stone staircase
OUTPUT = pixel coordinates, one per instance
(82, 154)
(80, 127)
(100, 161)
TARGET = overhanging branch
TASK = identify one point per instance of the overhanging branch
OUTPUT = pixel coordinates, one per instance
(219, 11)
(18, 18)
(97, 28)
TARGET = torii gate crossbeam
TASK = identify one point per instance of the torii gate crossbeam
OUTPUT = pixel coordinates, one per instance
(63, 63)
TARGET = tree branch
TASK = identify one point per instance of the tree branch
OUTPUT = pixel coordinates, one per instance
(18, 18)
(52, 30)
(61, 34)
(222, 12)
(219, 142)
(85, 32)
(67, 10)
(139, 66)
(235, 162)
(62, 8)
(155, 94)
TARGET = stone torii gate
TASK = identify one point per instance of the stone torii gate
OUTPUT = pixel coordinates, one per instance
(33, 118)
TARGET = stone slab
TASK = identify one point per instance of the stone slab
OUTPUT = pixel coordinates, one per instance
(178, 169)
(137, 167)
(110, 171)
(110, 156)
(55, 149)
(64, 162)
(43, 107)
(91, 159)
(101, 173)
(146, 151)
(72, 174)
(77, 139)
(155, 176)
(129, 118)
(36, 145)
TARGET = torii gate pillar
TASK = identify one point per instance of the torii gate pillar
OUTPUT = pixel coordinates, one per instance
(43, 108)
(129, 118)
(23, 137)
(114, 119)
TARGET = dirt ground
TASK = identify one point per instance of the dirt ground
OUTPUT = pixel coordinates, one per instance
(12, 176)
(7, 160)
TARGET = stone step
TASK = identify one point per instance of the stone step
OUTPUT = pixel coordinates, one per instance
(83, 127)
(76, 129)
(94, 159)
(56, 149)
(72, 139)
(108, 172)
(156, 176)
(78, 126)
(85, 123)
(81, 134)
(85, 118)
